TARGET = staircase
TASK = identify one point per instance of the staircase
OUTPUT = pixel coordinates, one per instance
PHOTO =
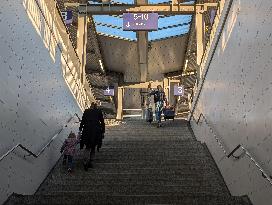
(183, 106)
(139, 164)
(100, 82)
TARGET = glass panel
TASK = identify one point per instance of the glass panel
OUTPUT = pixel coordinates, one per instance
(169, 1)
(123, 1)
(174, 20)
(166, 33)
(132, 2)
(110, 20)
(113, 2)
(116, 32)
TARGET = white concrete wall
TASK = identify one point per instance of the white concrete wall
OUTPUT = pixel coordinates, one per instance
(132, 98)
(35, 101)
(236, 98)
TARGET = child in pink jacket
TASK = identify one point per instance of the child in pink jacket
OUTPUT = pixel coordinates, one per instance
(69, 149)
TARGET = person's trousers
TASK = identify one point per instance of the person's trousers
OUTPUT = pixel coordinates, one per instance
(89, 154)
(158, 110)
(70, 160)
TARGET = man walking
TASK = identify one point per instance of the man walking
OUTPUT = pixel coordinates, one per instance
(93, 128)
(159, 99)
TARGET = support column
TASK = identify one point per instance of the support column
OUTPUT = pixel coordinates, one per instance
(142, 46)
(120, 96)
(142, 37)
(166, 87)
(82, 43)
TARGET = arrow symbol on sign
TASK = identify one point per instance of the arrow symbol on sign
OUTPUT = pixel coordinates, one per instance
(108, 90)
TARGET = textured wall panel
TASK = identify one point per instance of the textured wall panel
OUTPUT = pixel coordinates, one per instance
(121, 56)
(35, 101)
(164, 56)
(237, 98)
(132, 98)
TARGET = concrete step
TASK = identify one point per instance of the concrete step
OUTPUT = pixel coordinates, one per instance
(117, 181)
(148, 159)
(130, 178)
(202, 173)
(124, 186)
(191, 162)
(153, 154)
(135, 166)
(151, 143)
(172, 148)
(136, 189)
(85, 198)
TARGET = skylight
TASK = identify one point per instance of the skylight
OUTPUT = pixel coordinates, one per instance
(168, 26)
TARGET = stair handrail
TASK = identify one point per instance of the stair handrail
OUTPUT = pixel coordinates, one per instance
(247, 153)
(211, 129)
(231, 154)
(31, 153)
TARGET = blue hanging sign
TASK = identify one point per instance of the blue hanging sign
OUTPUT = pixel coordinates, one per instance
(140, 21)
(178, 90)
(109, 91)
(67, 17)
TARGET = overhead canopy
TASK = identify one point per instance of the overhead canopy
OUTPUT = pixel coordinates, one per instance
(168, 26)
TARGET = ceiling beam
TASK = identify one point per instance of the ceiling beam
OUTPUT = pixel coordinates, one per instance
(117, 9)
(142, 85)
(162, 28)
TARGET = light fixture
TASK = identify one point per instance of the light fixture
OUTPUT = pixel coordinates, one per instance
(101, 65)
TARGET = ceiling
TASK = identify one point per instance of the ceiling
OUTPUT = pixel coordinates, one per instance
(117, 49)
(168, 26)
(164, 56)
(171, 49)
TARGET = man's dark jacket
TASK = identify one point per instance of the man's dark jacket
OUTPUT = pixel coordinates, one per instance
(159, 96)
(93, 127)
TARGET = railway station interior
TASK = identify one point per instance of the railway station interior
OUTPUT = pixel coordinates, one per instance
(213, 61)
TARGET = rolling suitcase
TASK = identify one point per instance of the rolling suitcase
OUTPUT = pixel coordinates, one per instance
(169, 114)
(149, 115)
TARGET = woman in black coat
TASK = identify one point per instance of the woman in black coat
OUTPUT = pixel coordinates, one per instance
(93, 128)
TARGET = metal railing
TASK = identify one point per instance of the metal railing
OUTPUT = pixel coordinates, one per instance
(31, 153)
(67, 31)
(247, 153)
(231, 154)
(211, 130)
(80, 90)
